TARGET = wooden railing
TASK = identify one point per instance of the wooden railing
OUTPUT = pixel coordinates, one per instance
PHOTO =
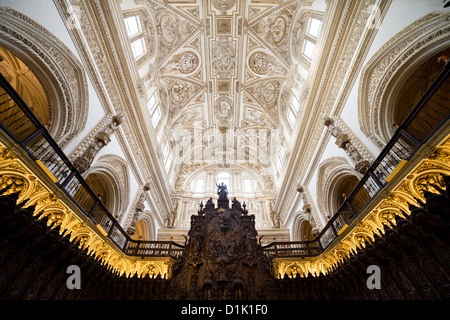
(431, 113)
(154, 248)
(24, 128)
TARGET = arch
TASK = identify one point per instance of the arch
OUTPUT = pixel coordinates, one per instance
(58, 70)
(145, 230)
(344, 186)
(193, 174)
(302, 229)
(110, 175)
(25, 83)
(391, 66)
(332, 173)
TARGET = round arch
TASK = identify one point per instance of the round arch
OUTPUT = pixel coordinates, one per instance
(391, 67)
(335, 176)
(58, 70)
(26, 84)
(110, 175)
(302, 229)
(145, 228)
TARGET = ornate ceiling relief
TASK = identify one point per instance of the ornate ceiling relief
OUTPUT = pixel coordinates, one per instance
(223, 58)
(173, 31)
(266, 93)
(223, 5)
(219, 70)
(273, 31)
(223, 109)
(183, 63)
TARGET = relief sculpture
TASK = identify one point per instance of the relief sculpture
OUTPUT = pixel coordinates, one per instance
(222, 259)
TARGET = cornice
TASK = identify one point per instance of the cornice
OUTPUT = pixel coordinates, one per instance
(302, 147)
(329, 81)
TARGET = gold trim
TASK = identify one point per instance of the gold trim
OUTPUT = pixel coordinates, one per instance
(396, 170)
(423, 176)
(47, 172)
(342, 230)
(37, 188)
(102, 231)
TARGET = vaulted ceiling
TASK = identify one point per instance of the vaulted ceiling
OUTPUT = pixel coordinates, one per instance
(223, 70)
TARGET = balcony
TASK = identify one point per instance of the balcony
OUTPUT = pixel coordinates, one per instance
(27, 142)
(422, 136)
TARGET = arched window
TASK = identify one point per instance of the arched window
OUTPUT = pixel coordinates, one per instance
(414, 87)
(225, 178)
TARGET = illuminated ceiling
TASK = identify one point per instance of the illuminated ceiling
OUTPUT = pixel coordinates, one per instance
(223, 70)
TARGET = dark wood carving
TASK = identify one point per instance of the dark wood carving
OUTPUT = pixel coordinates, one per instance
(222, 259)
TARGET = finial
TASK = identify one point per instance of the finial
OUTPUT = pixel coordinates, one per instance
(244, 206)
(200, 211)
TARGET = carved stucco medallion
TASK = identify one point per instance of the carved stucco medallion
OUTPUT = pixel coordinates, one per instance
(178, 91)
(224, 5)
(223, 109)
(223, 58)
(278, 29)
(188, 62)
(168, 29)
(259, 62)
